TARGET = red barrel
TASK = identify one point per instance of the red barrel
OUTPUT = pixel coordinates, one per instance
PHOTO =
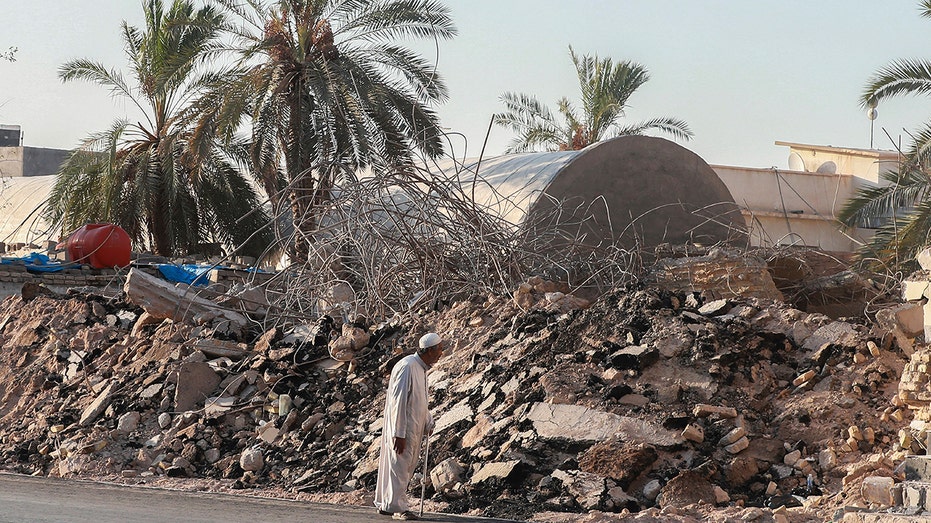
(100, 245)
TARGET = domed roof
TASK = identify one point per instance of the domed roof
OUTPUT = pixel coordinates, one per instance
(636, 190)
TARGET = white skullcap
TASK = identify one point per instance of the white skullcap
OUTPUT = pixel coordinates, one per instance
(429, 340)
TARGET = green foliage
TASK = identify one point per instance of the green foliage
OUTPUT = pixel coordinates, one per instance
(327, 90)
(148, 177)
(605, 87)
(902, 200)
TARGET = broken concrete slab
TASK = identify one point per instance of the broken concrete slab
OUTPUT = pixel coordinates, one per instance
(459, 412)
(836, 332)
(196, 381)
(878, 490)
(578, 423)
(587, 488)
(162, 300)
(100, 403)
(494, 470)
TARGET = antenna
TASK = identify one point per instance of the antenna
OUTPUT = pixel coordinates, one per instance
(872, 113)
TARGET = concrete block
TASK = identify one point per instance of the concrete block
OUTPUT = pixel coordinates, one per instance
(924, 259)
(878, 490)
(913, 496)
(914, 290)
(918, 468)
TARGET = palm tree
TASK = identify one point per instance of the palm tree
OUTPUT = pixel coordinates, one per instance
(605, 87)
(146, 176)
(328, 91)
(902, 202)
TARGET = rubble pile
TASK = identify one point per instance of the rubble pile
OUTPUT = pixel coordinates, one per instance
(647, 403)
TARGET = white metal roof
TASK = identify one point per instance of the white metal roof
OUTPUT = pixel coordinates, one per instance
(508, 185)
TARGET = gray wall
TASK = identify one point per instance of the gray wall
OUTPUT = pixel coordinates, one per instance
(38, 161)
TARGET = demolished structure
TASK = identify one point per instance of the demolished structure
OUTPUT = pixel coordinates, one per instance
(704, 383)
(664, 399)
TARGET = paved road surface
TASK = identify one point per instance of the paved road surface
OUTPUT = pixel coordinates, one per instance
(26, 499)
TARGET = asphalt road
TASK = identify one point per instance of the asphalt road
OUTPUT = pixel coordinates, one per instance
(26, 499)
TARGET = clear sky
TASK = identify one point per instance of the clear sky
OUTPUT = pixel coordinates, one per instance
(742, 73)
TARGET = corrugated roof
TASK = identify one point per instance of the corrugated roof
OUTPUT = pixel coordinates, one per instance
(508, 185)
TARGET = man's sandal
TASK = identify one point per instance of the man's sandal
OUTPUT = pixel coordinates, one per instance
(407, 515)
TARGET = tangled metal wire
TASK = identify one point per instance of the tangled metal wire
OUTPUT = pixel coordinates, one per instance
(389, 244)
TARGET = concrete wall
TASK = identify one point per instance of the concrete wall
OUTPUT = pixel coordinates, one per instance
(866, 164)
(792, 207)
(31, 161)
(800, 207)
(39, 161)
(11, 162)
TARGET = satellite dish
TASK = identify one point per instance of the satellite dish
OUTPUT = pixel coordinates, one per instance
(828, 167)
(796, 163)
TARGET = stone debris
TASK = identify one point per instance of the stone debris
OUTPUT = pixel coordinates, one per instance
(650, 401)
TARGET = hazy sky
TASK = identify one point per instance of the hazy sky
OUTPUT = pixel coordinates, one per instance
(742, 73)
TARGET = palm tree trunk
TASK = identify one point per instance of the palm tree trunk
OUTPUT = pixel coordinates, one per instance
(159, 226)
(302, 181)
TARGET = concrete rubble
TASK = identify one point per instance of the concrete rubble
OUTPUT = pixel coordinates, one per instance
(665, 402)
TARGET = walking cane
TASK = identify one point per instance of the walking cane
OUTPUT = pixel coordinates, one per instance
(423, 482)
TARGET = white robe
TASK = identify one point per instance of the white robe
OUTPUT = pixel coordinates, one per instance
(407, 415)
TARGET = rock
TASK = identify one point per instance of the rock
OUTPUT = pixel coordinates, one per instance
(837, 333)
(459, 412)
(617, 498)
(196, 382)
(792, 457)
(446, 474)
(652, 489)
(738, 446)
(164, 420)
(688, 488)
(351, 340)
(483, 425)
(720, 496)
(252, 459)
(713, 308)
(694, 433)
(805, 377)
(212, 455)
(827, 459)
(128, 422)
(703, 411)
(620, 461)
(741, 470)
(732, 437)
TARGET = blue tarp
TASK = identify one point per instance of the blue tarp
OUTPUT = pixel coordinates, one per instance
(36, 262)
(191, 274)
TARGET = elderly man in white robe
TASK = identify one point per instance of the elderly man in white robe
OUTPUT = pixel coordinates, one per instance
(407, 420)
